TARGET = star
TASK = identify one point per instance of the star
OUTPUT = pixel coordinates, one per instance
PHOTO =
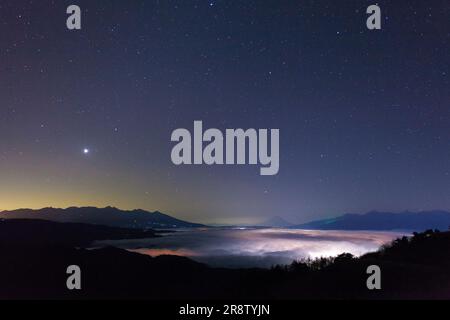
(85, 151)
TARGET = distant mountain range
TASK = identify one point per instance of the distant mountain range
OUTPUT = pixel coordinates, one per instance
(383, 221)
(108, 216)
(141, 219)
(275, 222)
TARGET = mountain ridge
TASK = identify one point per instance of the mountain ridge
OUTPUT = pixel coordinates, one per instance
(108, 216)
(383, 221)
(276, 221)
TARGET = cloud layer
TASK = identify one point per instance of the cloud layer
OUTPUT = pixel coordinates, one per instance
(258, 247)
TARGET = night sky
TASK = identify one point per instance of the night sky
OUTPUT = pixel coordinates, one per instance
(364, 116)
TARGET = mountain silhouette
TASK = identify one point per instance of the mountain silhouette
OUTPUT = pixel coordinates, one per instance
(108, 216)
(276, 221)
(43, 233)
(383, 221)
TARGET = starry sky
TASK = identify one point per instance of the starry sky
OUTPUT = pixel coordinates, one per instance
(364, 116)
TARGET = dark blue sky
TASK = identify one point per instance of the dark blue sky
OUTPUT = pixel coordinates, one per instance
(364, 116)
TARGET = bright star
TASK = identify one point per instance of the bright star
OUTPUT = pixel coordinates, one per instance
(85, 150)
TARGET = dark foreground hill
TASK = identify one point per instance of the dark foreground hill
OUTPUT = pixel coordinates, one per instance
(374, 220)
(42, 233)
(108, 216)
(411, 268)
